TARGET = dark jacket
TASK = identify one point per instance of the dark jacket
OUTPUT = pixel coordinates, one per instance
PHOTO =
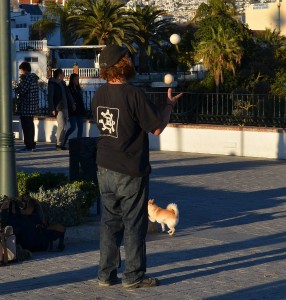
(27, 90)
(55, 95)
(78, 101)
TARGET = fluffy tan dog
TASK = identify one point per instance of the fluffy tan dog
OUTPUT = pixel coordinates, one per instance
(168, 216)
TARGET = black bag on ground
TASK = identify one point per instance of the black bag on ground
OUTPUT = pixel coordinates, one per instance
(32, 232)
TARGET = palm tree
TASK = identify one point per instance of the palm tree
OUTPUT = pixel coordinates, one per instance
(56, 15)
(43, 29)
(223, 7)
(221, 52)
(152, 30)
(103, 22)
(215, 8)
(270, 38)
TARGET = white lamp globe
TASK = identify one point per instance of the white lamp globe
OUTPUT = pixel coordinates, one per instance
(175, 39)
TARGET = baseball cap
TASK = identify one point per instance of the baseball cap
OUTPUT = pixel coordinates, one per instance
(111, 55)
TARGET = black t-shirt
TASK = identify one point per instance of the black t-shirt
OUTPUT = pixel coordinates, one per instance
(124, 116)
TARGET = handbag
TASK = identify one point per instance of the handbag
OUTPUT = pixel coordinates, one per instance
(8, 250)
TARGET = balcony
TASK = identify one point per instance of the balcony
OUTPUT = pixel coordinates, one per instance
(82, 72)
(40, 45)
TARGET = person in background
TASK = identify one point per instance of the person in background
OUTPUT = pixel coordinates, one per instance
(27, 90)
(77, 113)
(124, 116)
(59, 100)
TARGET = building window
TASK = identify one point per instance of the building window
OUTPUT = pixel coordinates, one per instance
(21, 25)
(31, 59)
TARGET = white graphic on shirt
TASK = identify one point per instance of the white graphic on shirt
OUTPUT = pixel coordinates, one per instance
(107, 120)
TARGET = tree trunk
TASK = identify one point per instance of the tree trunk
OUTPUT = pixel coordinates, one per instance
(217, 82)
(143, 61)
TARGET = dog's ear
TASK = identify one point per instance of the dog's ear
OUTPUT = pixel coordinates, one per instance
(151, 201)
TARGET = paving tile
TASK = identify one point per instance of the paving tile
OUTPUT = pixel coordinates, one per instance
(229, 244)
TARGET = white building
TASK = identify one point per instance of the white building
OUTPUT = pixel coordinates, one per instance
(40, 53)
(34, 52)
(22, 17)
(259, 16)
(44, 59)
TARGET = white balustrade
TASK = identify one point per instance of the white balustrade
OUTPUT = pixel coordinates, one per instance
(83, 72)
(88, 72)
(30, 45)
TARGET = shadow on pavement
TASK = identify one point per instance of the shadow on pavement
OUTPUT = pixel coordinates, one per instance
(237, 263)
(50, 280)
(273, 291)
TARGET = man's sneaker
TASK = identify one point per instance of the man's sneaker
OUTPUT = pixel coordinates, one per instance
(108, 283)
(145, 282)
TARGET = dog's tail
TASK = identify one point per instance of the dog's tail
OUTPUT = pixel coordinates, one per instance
(173, 207)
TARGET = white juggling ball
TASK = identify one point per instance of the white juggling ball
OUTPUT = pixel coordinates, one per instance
(168, 78)
(175, 39)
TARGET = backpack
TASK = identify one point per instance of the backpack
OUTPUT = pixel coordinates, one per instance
(7, 245)
(32, 232)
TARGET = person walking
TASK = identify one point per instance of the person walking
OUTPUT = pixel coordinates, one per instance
(124, 116)
(59, 99)
(27, 103)
(77, 113)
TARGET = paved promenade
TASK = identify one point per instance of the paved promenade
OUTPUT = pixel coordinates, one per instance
(230, 242)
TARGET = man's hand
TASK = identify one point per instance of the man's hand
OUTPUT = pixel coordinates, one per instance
(172, 100)
(166, 112)
(14, 84)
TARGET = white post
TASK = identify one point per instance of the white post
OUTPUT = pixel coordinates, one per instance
(45, 45)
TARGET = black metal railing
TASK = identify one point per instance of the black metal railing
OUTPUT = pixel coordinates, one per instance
(43, 102)
(44, 106)
(204, 108)
(227, 109)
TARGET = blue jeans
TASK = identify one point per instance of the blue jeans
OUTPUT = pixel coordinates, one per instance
(75, 121)
(124, 215)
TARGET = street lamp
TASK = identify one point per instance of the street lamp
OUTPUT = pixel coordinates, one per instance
(279, 16)
(8, 182)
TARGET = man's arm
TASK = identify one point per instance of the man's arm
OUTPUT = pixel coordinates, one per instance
(166, 112)
(70, 100)
(22, 87)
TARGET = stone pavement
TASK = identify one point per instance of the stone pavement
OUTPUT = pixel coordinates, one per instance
(229, 244)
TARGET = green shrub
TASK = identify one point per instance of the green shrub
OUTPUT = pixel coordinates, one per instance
(31, 182)
(62, 205)
(62, 202)
(91, 191)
